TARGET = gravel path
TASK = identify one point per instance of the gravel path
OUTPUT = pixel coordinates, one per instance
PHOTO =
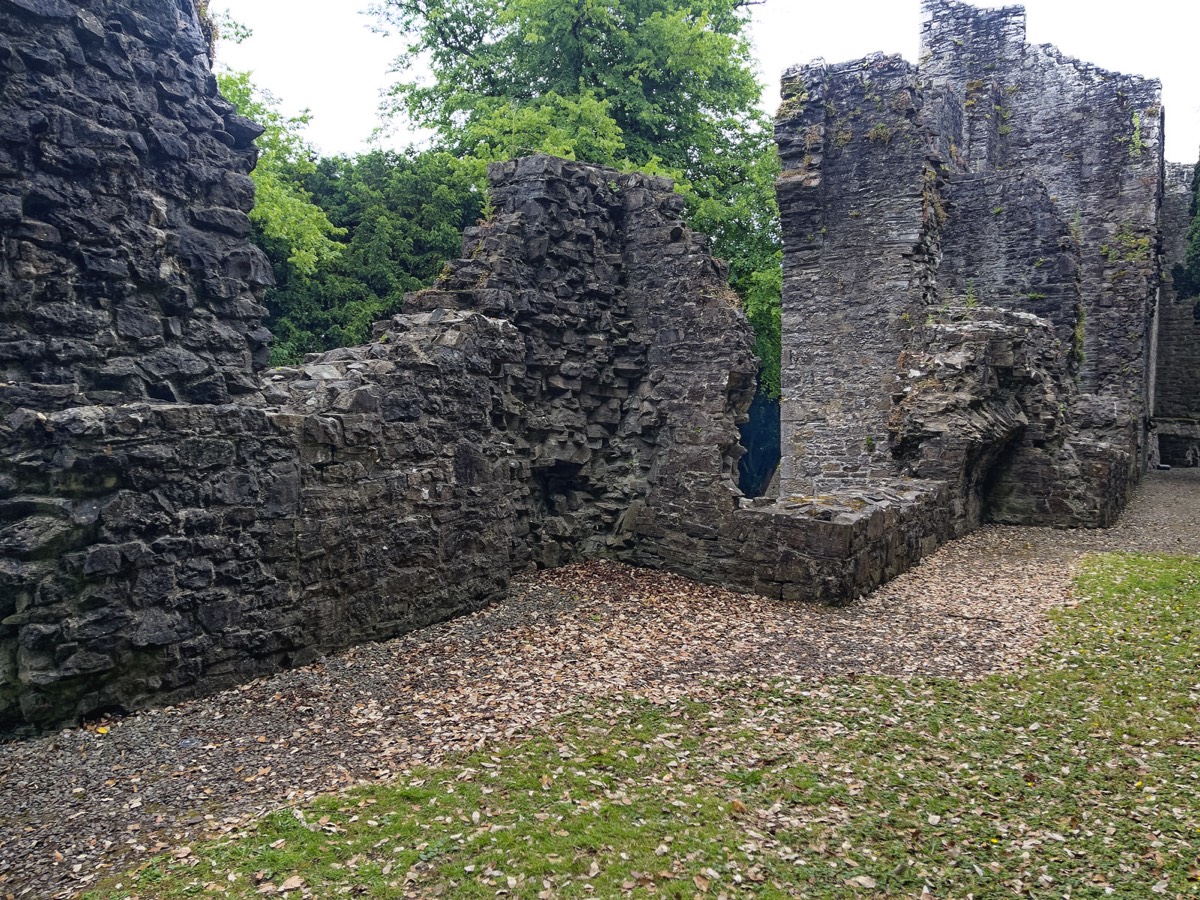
(76, 805)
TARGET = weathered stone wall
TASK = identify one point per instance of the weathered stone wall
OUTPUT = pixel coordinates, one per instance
(919, 202)
(159, 549)
(125, 271)
(986, 411)
(1177, 393)
(859, 239)
(584, 357)
(1092, 139)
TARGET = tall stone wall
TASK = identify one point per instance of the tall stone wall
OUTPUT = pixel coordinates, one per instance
(992, 176)
(859, 236)
(124, 190)
(1177, 400)
(1092, 140)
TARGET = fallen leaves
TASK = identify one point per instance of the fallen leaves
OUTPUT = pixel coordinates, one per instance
(566, 636)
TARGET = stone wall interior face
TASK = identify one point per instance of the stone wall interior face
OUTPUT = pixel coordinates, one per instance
(124, 190)
(971, 274)
(966, 336)
(1176, 399)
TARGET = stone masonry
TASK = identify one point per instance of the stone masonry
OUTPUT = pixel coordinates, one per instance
(123, 196)
(174, 519)
(174, 523)
(1177, 400)
(971, 273)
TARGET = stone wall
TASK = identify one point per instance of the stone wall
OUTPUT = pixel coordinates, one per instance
(858, 238)
(986, 410)
(173, 519)
(1177, 400)
(943, 202)
(584, 357)
(123, 196)
(155, 549)
(570, 388)
(1092, 140)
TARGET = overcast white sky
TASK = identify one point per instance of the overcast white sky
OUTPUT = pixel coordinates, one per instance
(322, 55)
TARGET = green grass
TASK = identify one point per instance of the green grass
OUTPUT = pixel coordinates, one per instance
(1078, 776)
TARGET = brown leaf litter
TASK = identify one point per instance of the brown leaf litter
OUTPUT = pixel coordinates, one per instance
(77, 805)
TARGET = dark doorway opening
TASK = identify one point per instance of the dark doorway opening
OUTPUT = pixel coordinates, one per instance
(760, 437)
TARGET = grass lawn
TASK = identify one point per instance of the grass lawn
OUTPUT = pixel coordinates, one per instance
(1078, 776)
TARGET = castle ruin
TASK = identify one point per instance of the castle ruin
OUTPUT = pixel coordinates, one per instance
(975, 251)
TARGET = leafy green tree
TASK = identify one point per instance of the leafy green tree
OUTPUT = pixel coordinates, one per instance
(660, 85)
(672, 71)
(736, 206)
(294, 231)
(347, 238)
(578, 127)
(402, 216)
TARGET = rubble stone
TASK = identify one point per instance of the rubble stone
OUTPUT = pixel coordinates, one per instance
(175, 519)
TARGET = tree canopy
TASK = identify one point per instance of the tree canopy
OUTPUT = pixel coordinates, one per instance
(347, 238)
(402, 215)
(294, 231)
(673, 73)
(666, 86)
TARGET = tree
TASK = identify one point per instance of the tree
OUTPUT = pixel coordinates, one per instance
(660, 85)
(402, 216)
(346, 237)
(293, 230)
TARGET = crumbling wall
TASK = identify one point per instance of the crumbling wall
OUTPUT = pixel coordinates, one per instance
(986, 410)
(937, 202)
(124, 190)
(1177, 399)
(583, 357)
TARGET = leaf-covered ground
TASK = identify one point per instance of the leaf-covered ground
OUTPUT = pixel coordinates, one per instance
(1076, 775)
(82, 806)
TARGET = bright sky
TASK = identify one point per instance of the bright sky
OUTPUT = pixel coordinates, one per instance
(322, 55)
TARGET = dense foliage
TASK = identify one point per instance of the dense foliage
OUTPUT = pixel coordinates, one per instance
(665, 86)
(1187, 274)
(401, 216)
(295, 232)
(346, 237)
